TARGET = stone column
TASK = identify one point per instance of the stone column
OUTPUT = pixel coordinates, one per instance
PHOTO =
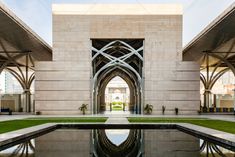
(27, 94)
(206, 94)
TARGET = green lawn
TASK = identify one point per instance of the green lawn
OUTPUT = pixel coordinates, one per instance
(209, 123)
(12, 125)
(117, 107)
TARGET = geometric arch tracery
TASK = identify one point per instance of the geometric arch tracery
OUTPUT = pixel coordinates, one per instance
(112, 58)
(118, 53)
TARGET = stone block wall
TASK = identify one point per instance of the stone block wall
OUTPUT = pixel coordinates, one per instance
(65, 83)
(173, 85)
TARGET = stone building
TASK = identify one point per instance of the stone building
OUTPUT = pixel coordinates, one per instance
(94, 43)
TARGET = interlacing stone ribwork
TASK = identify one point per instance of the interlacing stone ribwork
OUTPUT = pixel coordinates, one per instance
(126, 55)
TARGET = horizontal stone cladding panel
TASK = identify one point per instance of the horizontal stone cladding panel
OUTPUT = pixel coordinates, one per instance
(64, 23)
(172, 65)
(171, 85)
(73, 33)
(172, 95)
(172, 112)
(67, 55)
(79, 37)
(131, 26)
(162, 51)
(62, 75)
(63, 95)
(188, 66)
(60, 105)
(173, 75)
(59, 112)
(191, 105)
(61, 66)
(187, 75)
(62, 85)
(78, 46)
(184, 106)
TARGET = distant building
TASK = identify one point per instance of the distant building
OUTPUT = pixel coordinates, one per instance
(12, 85)
(117, 90)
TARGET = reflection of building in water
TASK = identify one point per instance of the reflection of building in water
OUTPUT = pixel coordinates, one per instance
(117, 90)
(64, 143)
(170, 143)
(117, 143)
(25, 149)
(208, 148)
(222, 93)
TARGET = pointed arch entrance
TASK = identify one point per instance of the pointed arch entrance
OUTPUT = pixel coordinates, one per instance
(111, 58)
(133, 88)
(117, 96)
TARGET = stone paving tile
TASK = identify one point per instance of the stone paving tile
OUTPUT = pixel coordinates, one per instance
(219, 117)
(116, 120)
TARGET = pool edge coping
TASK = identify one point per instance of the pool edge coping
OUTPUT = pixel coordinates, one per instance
(224, 138)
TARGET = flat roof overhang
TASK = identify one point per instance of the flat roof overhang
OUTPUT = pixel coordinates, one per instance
(217, 38)
(17, 37)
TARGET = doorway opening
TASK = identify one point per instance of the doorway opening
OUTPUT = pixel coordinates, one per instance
(119, 59)
(117, 95)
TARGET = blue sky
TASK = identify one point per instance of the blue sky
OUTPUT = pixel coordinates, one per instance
(197, 13)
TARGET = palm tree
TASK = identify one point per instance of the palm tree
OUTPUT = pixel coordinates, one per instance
(83, 108)
(148, 108)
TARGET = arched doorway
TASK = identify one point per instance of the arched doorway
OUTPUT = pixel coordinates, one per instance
(117, 95)
(111, 58)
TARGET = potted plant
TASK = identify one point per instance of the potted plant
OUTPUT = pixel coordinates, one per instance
(176, 111)
(21, 109)
(204, 109)
(83, 108)
(10, 112)
(148, 109)
(38, 112)
(163, 109)
(124, 106)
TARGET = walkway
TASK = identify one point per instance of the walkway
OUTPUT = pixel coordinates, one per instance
(121, 117)
(218, 117)
(117, 120)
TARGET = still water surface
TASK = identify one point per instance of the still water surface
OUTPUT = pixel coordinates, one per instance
(116, 143)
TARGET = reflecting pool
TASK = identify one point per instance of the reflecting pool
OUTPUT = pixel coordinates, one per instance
(116, 143)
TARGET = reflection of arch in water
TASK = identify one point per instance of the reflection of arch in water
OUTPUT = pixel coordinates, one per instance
(129, 147)
(210, 148)
(24, 149)
(112, 58)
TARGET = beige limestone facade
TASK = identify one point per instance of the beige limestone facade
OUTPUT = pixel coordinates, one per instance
(65, 83)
